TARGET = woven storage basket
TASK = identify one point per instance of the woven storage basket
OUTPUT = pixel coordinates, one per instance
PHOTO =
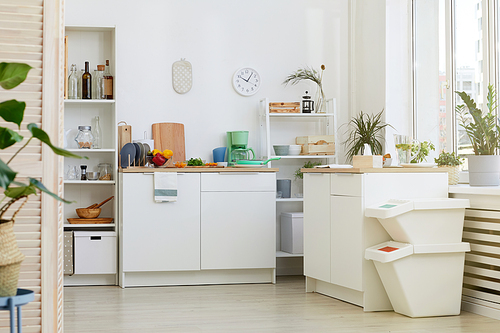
(453, 173)
(10, 260)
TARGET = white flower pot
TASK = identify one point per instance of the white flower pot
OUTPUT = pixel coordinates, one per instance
(484, 170)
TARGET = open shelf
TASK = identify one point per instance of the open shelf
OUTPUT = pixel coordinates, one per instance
(89, 101)
(89, 182)
(85, 151)
(289, 199)
(304, 156)
(100, 225)
(300, 114)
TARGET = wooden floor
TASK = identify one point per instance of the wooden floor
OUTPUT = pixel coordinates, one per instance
(283, 307)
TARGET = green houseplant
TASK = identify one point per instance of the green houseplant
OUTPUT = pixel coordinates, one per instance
(12, 111)
(483, 131)
(313, 75)
(420, 151)
(365, 128)
(299, 174)
(451, 163)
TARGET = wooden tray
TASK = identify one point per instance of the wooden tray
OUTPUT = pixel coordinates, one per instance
(101, 220)
(284, 107)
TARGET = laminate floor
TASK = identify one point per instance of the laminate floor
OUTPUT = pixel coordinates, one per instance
(283, 307)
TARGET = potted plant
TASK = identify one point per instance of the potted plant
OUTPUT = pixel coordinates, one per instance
(12, 111)
(452, 163)
(484, 134)
(420, 151)
(365, 128)
(312, 75)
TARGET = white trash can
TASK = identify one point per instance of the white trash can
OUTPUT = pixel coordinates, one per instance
(292, 232)
(422, 221)
(421, 280)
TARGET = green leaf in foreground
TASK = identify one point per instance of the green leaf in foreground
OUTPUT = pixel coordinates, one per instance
(12, 111)
(42, 188)
(6, 175)
(8, 137)
(44, 137)
(13, 74)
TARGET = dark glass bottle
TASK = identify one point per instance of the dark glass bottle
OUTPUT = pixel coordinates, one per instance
(86, 83)
(108, 82)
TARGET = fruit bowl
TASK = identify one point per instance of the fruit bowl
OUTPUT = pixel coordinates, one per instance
(164, 165)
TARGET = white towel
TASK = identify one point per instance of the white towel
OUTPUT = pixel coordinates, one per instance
(165, 187)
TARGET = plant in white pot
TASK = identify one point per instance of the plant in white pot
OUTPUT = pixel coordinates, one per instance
(451, 163)
(12, 111)
(483, 132)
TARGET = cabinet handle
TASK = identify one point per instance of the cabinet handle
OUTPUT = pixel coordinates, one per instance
(95, 238)
(238, 173)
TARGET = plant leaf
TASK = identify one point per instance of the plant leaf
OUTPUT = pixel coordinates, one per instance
(13, 74)
(20, 191)
(44, 137)
(7, 175)
(12, 111)
(8, 137)
(42, 188)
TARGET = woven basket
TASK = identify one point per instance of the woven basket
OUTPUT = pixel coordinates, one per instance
(10, 260)
(453, 173)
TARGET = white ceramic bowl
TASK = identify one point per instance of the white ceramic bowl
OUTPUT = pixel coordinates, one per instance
(294, 149)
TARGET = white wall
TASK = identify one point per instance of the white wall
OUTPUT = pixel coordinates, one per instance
(218, 37)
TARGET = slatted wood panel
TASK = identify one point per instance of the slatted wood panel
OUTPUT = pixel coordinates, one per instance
(482, 264)
(21, 32)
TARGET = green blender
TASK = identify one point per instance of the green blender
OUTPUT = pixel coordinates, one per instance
(237, 147)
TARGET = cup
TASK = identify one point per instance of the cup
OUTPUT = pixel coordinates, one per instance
(219, 154)
(73, 173)
(285, 187)
(403, 148)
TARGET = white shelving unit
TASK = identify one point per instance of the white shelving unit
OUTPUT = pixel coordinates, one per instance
(96, 45)
(283, 128)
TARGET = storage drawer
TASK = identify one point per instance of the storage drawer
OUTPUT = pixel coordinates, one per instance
(349, 184)
(239, 182)
(95, 252)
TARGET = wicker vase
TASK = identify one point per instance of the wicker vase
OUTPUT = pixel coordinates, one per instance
(10, 259)
(453, 173)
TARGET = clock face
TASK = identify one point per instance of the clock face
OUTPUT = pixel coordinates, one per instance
(246, 81)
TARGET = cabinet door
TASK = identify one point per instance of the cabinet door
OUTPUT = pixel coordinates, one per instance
(160, 236)
(317, 226)
(238, 230)
(347, 251)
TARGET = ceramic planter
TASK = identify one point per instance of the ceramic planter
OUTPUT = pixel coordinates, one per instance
(484, 170)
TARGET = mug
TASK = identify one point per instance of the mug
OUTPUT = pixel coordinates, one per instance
(219, 154)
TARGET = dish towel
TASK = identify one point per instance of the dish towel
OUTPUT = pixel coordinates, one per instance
(165, 186)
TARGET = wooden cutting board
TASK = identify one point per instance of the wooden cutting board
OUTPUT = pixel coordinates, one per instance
(170, 136)
(101, 220)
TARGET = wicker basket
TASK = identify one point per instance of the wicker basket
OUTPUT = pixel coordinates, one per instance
(453, 173)
(10, 260)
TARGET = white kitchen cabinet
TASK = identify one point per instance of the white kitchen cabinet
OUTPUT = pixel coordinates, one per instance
(283, 128)
(96, 45)
(160, 236)
(335, 238)
(220, 230)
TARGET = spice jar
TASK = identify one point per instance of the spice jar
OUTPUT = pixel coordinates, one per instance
(104, 171)
(84, 138)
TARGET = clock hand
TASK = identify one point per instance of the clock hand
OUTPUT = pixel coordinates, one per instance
(249, 77)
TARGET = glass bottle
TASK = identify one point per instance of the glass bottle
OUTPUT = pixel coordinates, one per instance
(80, 83)
(73, 83)
(97, 134)
(84, 138)
(108, 82)
(100, 82)
(94, 84)
(86, 83)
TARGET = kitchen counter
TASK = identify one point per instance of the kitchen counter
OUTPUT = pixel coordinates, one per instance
(196, 169)
(372, 170)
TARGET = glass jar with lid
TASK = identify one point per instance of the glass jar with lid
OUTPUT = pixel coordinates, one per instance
(105, 171)
(84, 138)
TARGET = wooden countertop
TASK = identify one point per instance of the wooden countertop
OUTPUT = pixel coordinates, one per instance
(372, 170)
(196, 169)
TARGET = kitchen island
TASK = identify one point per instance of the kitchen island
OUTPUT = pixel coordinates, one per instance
(220, 230)
(336, 232)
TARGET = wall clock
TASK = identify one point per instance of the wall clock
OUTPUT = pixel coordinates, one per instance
(246, 81)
